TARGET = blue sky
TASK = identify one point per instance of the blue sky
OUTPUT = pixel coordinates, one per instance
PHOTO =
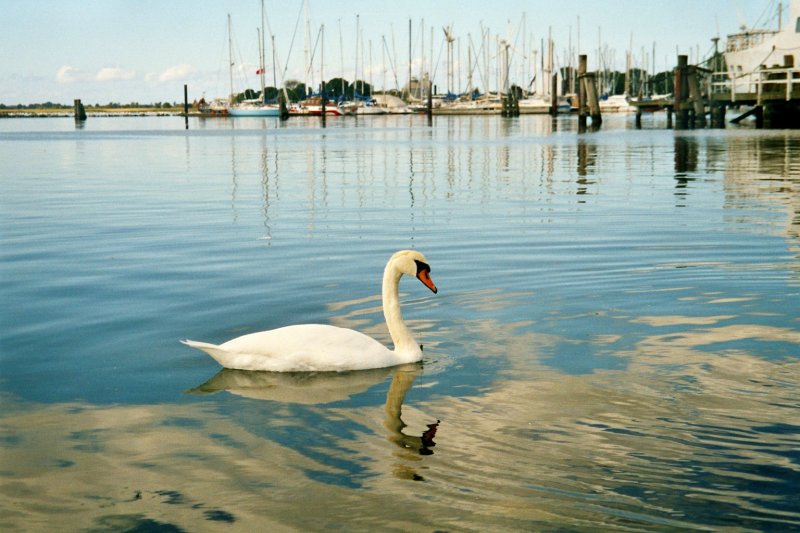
(145, 50)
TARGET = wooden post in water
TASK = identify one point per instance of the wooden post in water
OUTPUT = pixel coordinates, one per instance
(581, 93)
(554, 95)
(80, 112)
(593, 101)
(697, 98)
(509, 106)
(588, 102)
(282, 102)
(186, 105)
(718, 115)
(681, 113)
(429, 109)
(324, 102)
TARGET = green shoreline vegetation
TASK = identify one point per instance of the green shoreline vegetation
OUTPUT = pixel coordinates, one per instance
(48, 109)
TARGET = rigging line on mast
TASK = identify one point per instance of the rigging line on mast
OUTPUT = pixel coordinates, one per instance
(391, 63)
(291, 44)
(272, 37)
(314, 50)
(438, 59)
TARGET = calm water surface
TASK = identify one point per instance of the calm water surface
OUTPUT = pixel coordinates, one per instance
(615, 344)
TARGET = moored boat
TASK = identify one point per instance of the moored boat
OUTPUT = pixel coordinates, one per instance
(218, 107)
(254, 108)
(368, 107)
(391, 104)
(313, 106)
(258, 107)
(616, 103)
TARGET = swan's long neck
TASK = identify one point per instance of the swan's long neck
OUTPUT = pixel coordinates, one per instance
(404, 343)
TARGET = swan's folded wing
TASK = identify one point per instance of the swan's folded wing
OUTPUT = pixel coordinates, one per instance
(305, 347)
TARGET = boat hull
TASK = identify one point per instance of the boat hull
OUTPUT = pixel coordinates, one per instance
(254, 112)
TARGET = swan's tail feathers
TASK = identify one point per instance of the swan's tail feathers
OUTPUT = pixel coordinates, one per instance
(217, 352)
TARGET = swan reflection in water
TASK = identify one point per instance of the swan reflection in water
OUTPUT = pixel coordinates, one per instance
(318, 388)
(401, 384)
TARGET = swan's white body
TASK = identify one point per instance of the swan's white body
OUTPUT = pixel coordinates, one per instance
(320, 347)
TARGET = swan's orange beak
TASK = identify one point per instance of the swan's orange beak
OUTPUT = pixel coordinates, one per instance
(424, 275)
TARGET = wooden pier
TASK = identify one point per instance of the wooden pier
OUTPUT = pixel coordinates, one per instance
(770, 95)
(773, 95)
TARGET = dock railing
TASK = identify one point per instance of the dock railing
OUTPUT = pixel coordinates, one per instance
(756, 87)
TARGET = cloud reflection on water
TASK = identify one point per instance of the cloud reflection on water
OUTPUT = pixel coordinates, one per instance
(681, 428)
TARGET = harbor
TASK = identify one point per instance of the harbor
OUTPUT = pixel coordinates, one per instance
(756, 76)
(758, 72)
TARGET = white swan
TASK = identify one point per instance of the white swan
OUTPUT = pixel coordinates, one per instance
(319, 347)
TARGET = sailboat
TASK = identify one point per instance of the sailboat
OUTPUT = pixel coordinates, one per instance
(258, 107)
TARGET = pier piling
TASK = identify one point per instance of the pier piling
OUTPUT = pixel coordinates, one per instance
(592, 100)
(588, 102)
(429, 108)
(80, 112)
(282, 104)
(718, 116)
(581, 94)
(509, 105)
(323, 99)
(696, 96)
(186, 105)
(681, 93)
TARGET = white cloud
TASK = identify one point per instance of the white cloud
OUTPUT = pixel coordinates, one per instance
(69, 74)
(114, 74)
(177, 72)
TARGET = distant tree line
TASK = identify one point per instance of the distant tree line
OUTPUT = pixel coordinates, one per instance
(46, 105)
(111, 105)
(336, 88)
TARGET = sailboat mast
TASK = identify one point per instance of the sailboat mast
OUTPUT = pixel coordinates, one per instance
(341, 56)
(355, 71)
(422, 50)
(262, 53)
(469, 68)
(409, 56)
(383, 62)
(428, 70)
(274, 63)
(260, 63)
(371, 82)
(230, 57)
(307, 50)
(549, 58)
(322, 55)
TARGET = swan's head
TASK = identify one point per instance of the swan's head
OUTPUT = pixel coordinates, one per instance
(413, 263)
